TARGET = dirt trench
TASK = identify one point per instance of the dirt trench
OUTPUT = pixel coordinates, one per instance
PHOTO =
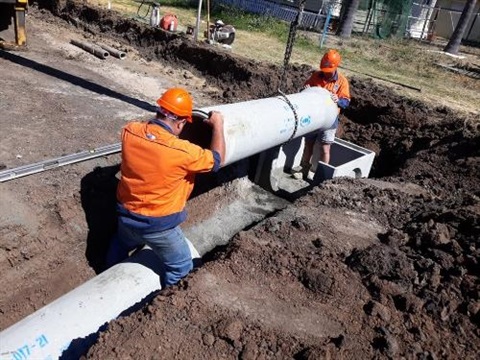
(386, 267)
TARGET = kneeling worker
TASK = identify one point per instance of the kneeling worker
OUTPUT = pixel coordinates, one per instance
(157, 176)
(330, 79)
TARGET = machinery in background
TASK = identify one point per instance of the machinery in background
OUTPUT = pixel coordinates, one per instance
(221, 33)
(154, 16)
(16, 10)
(151, 7)
(169, 22)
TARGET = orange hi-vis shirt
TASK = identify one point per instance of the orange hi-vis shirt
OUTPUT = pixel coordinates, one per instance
(337, 85)
(157, 174)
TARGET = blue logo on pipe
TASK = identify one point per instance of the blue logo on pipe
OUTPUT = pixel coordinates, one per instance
(305, 121)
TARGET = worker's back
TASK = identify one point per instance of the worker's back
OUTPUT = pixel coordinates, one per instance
(158, 169)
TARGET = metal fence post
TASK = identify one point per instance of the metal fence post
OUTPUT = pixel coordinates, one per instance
(325, 26)
(199, 13)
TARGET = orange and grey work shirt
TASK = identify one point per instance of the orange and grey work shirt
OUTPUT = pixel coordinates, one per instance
(158, 172)
(338, 85)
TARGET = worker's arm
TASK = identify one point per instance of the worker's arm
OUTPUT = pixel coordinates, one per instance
(217, 144)
(343, 93)
(310, 81)
(341, 102)
(204, 160)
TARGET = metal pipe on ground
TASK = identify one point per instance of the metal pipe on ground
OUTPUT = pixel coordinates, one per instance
(114, 52)
(91, 48)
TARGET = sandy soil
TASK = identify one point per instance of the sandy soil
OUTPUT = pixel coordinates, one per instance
(386, 267)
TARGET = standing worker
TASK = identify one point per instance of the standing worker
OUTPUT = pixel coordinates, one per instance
(157, 176)
(330, 79)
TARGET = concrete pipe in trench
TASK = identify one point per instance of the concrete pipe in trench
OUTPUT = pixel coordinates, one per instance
(250, 128)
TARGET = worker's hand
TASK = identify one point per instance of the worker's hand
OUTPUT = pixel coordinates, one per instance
(215, 119)
(334, 97)
(305, 87)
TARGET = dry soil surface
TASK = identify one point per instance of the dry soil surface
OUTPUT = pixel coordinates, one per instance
(386, 267)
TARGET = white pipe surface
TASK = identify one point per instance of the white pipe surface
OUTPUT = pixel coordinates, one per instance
(258, 125)
(250, 127)
(49, 331)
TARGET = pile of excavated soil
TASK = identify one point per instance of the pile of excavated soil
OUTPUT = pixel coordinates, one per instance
(356, 269)
(375, 268)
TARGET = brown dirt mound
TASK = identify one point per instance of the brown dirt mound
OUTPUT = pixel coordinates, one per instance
(296, 287)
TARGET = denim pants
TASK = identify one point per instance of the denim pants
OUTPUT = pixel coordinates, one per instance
(169, 245)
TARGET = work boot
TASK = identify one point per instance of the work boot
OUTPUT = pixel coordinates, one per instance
(310, 175)
(300, 172)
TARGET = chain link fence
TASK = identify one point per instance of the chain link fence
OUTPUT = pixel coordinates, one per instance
(419, 19)
(278, 9)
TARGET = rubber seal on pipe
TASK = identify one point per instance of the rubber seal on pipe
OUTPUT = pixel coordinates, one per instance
(203, 115)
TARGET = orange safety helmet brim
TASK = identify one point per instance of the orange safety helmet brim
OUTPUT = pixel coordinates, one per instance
(178, 102)
(330, 61)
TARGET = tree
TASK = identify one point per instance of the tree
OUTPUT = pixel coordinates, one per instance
(346, 24)
(457, 36)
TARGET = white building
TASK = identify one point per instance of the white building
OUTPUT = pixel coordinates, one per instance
(448, 17)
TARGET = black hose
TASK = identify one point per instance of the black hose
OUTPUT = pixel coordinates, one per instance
(149, 7)
(203, 115)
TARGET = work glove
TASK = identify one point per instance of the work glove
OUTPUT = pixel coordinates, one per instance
(334, 97)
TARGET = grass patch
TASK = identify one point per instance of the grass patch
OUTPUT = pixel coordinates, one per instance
(255, 23)
(187, 4)
(250, 22)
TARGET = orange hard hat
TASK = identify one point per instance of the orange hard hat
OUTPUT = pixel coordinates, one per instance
(330, 61)
(178, 102)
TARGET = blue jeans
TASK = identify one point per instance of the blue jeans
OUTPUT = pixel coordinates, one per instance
(169, 245)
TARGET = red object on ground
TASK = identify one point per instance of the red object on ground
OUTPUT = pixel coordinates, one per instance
(169, 22)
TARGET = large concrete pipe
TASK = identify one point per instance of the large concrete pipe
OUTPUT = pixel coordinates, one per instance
(258, 125)
(46, 333)
(250, 127)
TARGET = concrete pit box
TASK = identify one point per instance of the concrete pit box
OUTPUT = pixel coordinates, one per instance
(274, 169)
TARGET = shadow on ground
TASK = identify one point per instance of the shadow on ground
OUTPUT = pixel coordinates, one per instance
(75, 80)
(98, 196)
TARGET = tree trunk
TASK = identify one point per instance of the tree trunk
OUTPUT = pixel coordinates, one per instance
(346, 24)
(456, 38)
